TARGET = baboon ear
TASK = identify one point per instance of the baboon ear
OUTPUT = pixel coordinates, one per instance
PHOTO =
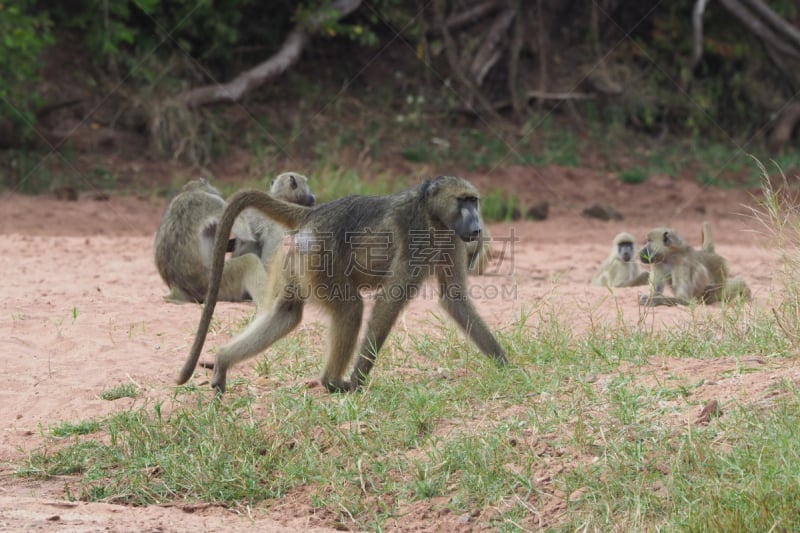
(293, 181)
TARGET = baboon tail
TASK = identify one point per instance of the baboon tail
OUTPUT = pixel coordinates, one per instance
(707, 239)
(284, 213)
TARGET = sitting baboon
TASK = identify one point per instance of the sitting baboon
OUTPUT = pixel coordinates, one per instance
(694, 275)
(389, 243)
(266, 233)
(620, 268)
(184, 244)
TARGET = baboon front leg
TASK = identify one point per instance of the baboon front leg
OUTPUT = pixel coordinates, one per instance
(345, 323)
(383, 317)
(457, 304)
(643, 278)
(257, 337)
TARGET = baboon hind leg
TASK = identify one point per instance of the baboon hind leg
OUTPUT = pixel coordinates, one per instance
(380, 323)
(345, 323)
(265, 329)
(732, 289)
(178, 296)
(655, 300)
(244, 277)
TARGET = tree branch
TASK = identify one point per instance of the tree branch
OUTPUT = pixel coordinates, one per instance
(759, 28)
(468, 16)
(489, 53)
(514, 51)
(452, 59)
(697, 33)
(775, 20)
(276, 65)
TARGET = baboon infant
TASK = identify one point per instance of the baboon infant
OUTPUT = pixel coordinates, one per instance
(620, 268)
(184, 244)
(694, 275)
(266, 233)
(390, 244)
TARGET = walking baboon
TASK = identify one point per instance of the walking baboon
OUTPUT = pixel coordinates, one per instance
(266, 233)
(184, 244)
(390, 243)
(694, 275)
(620, 268)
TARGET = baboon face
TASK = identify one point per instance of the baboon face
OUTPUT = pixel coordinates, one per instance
(293, 187)
(455, 202)
(661, 243)
(625, 250)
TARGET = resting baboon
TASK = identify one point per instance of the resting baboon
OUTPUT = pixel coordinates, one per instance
(479, 253)
(391, 243)
(694, 275)
(184, 244)
(266, 233)
(620, 268)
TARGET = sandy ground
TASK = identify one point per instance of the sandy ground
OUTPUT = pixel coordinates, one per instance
(82, 311)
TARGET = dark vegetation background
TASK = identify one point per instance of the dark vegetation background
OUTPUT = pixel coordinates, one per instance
(100, 94)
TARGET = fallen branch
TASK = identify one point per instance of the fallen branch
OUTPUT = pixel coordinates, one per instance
(499, 105)
(276, 65)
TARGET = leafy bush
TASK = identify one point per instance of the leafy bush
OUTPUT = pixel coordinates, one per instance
(24, 35)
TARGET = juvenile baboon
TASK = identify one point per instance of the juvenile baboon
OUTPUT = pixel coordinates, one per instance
(266, 233)
(479, 253)
(620, 268)
(184, 244)
(694, 275)
(390, 243)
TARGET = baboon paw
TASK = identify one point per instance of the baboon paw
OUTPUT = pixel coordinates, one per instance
(218, 384)
(339, 386)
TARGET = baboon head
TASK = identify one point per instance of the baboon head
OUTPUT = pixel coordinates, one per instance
(623, 246)
(201, 184)
(454, 203)
(661, 244)
(292, 187)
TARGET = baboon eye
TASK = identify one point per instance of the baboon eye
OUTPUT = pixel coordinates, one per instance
(293, 182)
(666, 237)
